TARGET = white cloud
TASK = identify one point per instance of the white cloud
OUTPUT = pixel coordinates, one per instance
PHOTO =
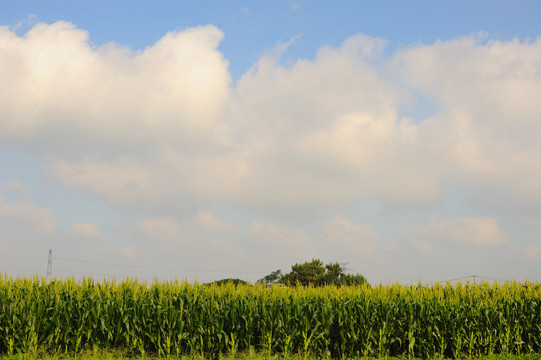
(204, 227)
(162, 128)
(488, 126)
(496, 78)
(202, 230)
(87, 230)
(207, 232)
(173, 89)
(14, 186)
(124, 181)
(281, 47)
(39, 219)
(210, 224)
(29, 19)
(269, 147)
(355, 239)
(533, 252)
(480, 231)
(312, 132)
(286, 241)
(162, 229)
(426, 248)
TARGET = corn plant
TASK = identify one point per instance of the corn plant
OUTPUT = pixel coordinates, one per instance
(178, 318)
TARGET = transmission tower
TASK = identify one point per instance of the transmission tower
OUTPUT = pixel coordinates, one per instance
(344, 268)
(50, 264)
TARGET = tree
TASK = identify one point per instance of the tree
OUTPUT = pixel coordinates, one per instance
(305, 274)
(333, 274)
(228, 281)
(353, 280)
(273, 278)
(317, 274)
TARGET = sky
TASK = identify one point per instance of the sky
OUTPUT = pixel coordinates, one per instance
(202, 140)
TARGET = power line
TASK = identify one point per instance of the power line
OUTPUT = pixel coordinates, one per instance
(81, 272)
(466, 277)
(344, 267)
(196, 270)
(25, 269)
(159, 268)
(24, 259)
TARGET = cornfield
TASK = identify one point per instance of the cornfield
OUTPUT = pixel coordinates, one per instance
(178, 318)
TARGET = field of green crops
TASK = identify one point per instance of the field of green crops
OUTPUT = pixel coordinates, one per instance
(163, 319)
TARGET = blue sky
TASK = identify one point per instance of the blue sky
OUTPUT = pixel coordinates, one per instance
(229, 139)
(253, 28)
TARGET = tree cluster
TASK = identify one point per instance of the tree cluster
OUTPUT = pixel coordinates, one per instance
(228, 281)
(314, 273)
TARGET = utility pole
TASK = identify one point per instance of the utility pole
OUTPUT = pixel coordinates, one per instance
(343, 266)
(50, 264)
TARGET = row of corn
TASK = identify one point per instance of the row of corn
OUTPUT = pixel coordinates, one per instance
(178, 318)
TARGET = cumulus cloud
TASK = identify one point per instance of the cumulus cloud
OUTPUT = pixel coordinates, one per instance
(480, 231)
(163, 128)
(27, 214)
(488, 124)
(533, 252)
(356, 239)
(323, 127)
(14, 186)
(202, 230)
(286, 241)
(206, 231)
(86, 230)
(124, 181)
(210, 224)
(141, 126)
(496, 80)
(65, 92)
(426, 248)
(162, 229)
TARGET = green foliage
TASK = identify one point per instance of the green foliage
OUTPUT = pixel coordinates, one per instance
(174, 319)
(305, 274)
(100, 354)
(273, 278)
(229, 281)
(316, 274)
(353, 280)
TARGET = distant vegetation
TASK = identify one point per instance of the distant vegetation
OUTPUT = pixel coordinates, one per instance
(229, 281)
(314, 273)
(311, 273)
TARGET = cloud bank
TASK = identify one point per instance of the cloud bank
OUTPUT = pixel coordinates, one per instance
(164, 131)
(166, 119)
